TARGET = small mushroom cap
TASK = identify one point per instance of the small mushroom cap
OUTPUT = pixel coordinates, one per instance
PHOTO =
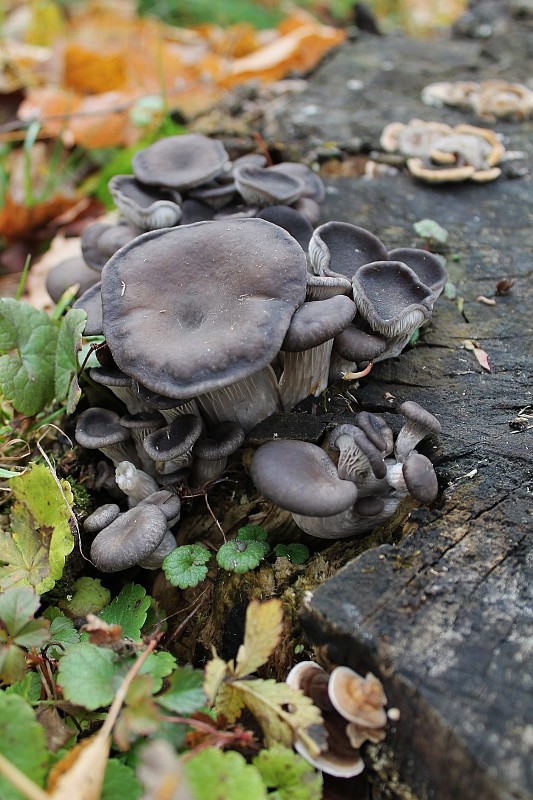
(301, 477)
(428, 266)
(369, 506)
(416, 414)
(352, 441)
(67, 273)
(91, 302)
(341, 248)
(99, 427)
(222, 441)
(180, 162)
(129, 539)
(377, 430)
(414, 138)
(99, 241)
(165, 499)
(147, 207)
(175, 439)
(262, 186)
(391, 297)
(358, 699)
(101, 517)
(231, 288)
(355, 345)
(314, 186)
(196, 211)
(432, 173)
(420, 478)
(316, 322)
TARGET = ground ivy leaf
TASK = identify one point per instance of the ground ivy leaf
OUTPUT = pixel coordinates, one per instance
(26, 375)
(288, 775)
(120, 781)
(185, 566)
(216, 775)
(22, 742)
(240, 555)
(86, 675)
(128, 610)
(68, 347)
(283, 712)
(40, 535)
(295, 553)
(262, 633)
(185, 693)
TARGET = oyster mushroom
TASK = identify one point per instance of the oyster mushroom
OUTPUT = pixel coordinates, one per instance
(146, 207)
(180, 162)
(419, 423)
(129, 539)
(340, 248)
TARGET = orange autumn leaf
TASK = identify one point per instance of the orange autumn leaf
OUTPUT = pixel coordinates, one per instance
(18, 221)
(51, 106)
(88, 71)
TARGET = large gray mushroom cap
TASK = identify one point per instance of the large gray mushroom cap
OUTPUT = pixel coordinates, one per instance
(180, 162)
(302, 478)
(129, 539)
(428, 266)
(230, 290)
(340, 248)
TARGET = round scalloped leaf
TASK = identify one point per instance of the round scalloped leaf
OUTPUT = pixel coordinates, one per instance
(185, 566)
(216, 775)
(240, 555)
(288, 775)
(22, 741)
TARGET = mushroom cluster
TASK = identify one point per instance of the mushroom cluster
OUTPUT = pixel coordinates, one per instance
(356, 482)
(489, 99)
(353, 710)
(235, 309)
(439, 153)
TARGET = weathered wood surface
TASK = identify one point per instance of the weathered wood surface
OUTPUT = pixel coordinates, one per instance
(446, 615)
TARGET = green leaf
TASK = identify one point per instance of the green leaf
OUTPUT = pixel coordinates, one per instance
(27, 374)
(158, 666)
(429, 229)
(254, 533)
(89, 597)
(185, 566)
(86, 674)
(63, 632)
(295, 553)
(17, 610)
(185, 693)
(240, 555)
(29, 687)
(34, 552)
(12, 663)
(66, 361)
(288, 774)
(216, 775)
(22, 741)
(120, 782)
(128, 610)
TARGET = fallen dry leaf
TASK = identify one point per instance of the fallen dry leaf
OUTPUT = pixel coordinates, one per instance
(480, 354)
(80, 773)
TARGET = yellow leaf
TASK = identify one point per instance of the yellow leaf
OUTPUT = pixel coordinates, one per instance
(230, 702)
(80, 773)
(214, 674)
(90, 71)
(261, 635)
(284, 713)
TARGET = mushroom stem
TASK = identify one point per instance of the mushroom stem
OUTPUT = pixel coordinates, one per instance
(354, 376)
(305, 373)
(247, 401)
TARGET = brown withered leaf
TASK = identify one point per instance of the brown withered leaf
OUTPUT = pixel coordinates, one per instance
(100, 632)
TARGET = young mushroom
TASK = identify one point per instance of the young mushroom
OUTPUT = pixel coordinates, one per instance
(419, 423)
(129, 539)
(145, 207)
(180, 162)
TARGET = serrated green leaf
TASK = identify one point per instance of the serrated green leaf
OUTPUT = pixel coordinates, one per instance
(17, 609)
(283, 712)
(287, 775)
(230, 702)
(27, 374)
(295, 553)
(34, 552)
(252, 532)
(185, 566)
(29, 687)
(66, 360)
(216, 775)
(86, 674)
(63, 632)
(89, 597)
(120, 782)
(240, 555)
(128, 610)
(22, 741)
(185, 693)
